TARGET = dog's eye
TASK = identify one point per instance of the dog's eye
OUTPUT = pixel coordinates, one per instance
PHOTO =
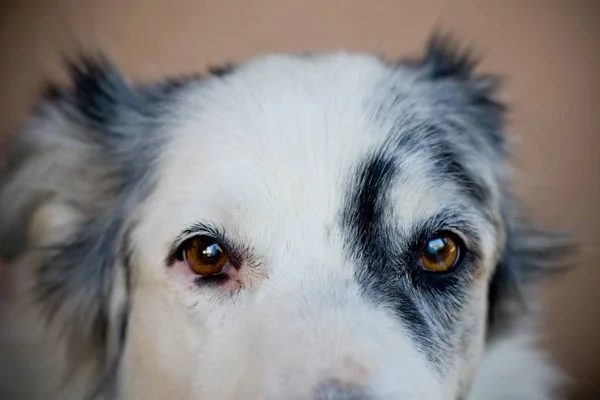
(441, 253)
(204, 255)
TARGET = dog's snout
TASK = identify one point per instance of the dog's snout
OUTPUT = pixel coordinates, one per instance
(337, 390)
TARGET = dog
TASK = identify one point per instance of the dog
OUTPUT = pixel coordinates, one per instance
(299, 226)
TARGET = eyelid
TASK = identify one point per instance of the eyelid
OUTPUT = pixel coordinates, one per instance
(465, 239)
(469, 240)
(200, 229)
(188, 235)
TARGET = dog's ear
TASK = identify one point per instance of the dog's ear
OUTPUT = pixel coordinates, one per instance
(530, 254)
(445, 59)
(451, 67)
(69, 184)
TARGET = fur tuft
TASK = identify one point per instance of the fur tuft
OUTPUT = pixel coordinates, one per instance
(100, 92)
(445, 59)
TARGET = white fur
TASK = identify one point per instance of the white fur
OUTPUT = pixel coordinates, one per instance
(515, 368)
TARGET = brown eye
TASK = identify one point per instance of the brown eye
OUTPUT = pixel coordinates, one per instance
(441, 253)
(204, 255)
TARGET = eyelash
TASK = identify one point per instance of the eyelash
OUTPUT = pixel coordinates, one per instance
(199, 229)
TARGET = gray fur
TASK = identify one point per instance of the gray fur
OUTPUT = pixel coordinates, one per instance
(338, 391)
(451, 117)
(92, 147)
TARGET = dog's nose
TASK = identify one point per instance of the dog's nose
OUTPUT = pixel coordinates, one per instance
(336, 390)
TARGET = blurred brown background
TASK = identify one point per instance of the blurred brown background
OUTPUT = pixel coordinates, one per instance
(548, 50)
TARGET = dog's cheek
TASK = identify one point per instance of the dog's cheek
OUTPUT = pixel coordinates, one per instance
(472, 342)
(162, 349)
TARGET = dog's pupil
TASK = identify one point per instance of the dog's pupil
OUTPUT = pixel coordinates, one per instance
(436, 249)
(211, 253)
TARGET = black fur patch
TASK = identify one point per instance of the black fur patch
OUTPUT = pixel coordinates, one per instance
(386, 259)
(99, 90)
(365, 219)
(369, 202)
(445, 59)
(221, 70)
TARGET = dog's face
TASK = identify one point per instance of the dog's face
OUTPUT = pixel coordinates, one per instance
(300, 227)
(317, 224)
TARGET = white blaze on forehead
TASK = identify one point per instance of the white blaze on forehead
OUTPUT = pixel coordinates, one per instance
(263, 154)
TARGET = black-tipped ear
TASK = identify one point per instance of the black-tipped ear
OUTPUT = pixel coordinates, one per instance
(451, 68)
(444, 58)
(97, 93)
(99, 89)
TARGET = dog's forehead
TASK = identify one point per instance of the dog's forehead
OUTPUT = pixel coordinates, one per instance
(284, 138)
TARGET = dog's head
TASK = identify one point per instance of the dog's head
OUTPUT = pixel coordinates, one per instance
(302, 227)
